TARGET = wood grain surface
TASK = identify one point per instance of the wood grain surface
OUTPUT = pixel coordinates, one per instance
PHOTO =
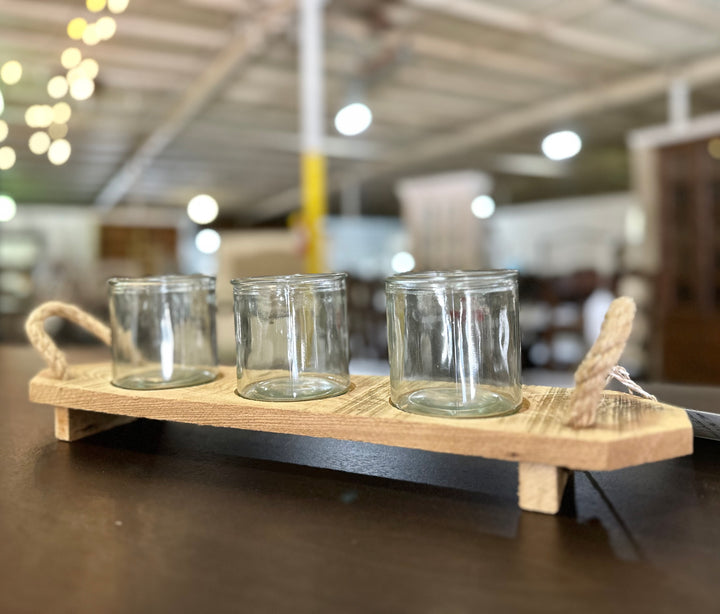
(630, 431)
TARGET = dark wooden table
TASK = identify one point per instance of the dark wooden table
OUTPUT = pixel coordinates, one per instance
(159, 517)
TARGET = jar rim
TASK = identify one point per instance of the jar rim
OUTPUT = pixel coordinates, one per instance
(163, 283)
(296, 280)
(454, 279)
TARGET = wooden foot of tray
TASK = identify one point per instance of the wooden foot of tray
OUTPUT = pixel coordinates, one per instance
(629, 430)
(74, 424)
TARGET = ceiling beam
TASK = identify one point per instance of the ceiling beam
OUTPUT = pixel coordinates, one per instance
(498, 16)
(447, 50)
(603, 97)
(249, 39)
(687, 10)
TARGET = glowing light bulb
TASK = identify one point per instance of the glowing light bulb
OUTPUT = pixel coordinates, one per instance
(202, 209)
(561, 145)
(59, 152)
(11, 72)
(353, 119)
(8, 208)
(207, 241)
(483, 206)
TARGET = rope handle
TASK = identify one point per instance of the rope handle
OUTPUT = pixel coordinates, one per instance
(598, 365)
(43, 343)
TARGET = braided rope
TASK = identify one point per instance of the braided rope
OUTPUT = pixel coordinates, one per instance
(41, 341)
(592, 374)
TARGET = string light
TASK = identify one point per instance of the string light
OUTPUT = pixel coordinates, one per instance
(58, 131)
(57, 87)
(61, 113)
(11, 72)
(82, 89)
(39, 116)
(8, 208)
(90, 35)
(106, 28)
(7, 158)
(59, 152)
(39, 143)
(71, 57)
(76, 27)
(95, 6)
(89, 68)
(117, 6)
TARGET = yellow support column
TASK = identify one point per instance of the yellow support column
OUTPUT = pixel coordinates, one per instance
(314, 208)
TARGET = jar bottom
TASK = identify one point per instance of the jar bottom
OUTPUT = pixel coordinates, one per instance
(302, 388)
(152, 378)
(447, 402)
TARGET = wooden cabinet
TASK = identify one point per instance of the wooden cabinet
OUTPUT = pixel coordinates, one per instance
(688, 309)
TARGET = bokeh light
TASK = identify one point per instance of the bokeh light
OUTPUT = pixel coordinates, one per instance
(117, 6)
(76, 27)
(402, 262)
(57, 131)
(71, 57)
(39, 143)
(353, 119)
(8, 208)
(61, 113)
(7, 158)
(561, 145)
(483, 206)
(202, 209)
(39, 116)
(4, 129)
(90, 35)
(106, 28)
(59, 152)
(57, 87)
(11, 72)
(89, 68)
(207, 241)
(82, 88)
(95, 6)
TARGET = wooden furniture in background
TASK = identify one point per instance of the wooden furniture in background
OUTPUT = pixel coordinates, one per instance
(688, 309)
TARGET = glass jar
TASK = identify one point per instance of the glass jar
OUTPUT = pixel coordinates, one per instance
(454, 343)
(163, 331)
(291, 337)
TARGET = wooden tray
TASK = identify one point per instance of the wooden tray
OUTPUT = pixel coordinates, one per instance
(629, 431)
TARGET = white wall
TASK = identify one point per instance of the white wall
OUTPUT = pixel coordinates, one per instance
(561, 236)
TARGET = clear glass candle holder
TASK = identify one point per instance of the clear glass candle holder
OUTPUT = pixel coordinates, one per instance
(291, 337)
(454, 343)
(163, 331)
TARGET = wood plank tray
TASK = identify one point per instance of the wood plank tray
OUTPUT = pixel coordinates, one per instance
(629, 431)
